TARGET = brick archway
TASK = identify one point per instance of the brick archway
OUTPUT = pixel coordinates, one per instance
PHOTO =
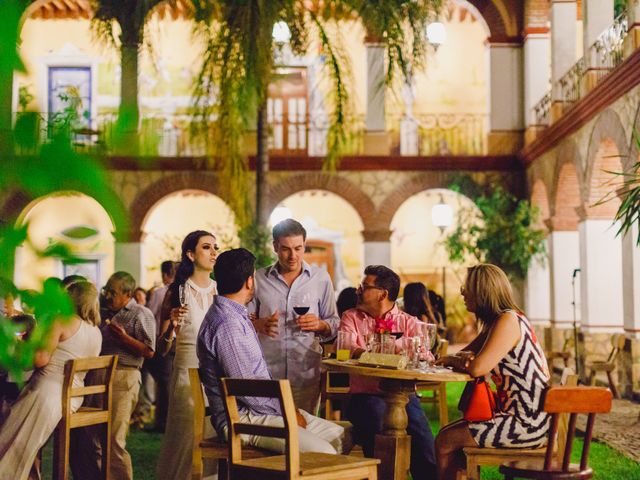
(395, 199)
(16, 204)
(566, 192)
(324, 181)
(501, 16)
(145, 200)
(607, 146)
(540, 199)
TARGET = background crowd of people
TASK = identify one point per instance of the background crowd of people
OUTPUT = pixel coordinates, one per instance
(269, 323)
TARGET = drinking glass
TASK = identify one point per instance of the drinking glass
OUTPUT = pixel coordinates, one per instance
(301, 305)
(344, 344)
(183, 298)
(430, 334)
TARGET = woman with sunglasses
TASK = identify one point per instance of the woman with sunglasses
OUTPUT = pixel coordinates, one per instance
(185, 304)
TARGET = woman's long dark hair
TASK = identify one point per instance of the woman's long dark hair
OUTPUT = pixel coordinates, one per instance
(185, 267)
(416, 302)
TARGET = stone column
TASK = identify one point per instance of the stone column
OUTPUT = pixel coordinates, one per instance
(537, 75)
(377, 139)
(377, 247)
(632, 41)
(601, 285)
(563, 47)
(128, 258)
(630, 361)
(506, 120)
(538, 292)
(597, 16)
(564, 259)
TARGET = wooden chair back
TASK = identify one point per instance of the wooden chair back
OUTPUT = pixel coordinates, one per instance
(573, 401)
(200, 411)
(97, 414)
(280, 389)
(568, 379)
(617, 345)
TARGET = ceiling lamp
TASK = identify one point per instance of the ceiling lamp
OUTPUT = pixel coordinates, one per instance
(436, 34)
(442, 215)
(281, 33)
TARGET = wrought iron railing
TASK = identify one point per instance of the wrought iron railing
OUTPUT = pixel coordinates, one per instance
(606, 53)
(161, 135)
(542, 110)
(443, 134)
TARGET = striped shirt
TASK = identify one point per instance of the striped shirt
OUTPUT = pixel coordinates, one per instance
(228, 346)
(139, 323)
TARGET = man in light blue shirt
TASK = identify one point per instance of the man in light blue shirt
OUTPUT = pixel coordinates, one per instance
(291, 341)
(228, 347)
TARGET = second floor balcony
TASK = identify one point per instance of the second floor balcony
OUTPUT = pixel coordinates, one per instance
(162, 135)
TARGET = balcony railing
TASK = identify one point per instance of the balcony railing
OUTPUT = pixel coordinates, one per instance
(606, 53)
(542, 110)
(162, 135)
(442, 134)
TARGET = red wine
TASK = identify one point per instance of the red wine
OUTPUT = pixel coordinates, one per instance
(397, 334)
(301, 310)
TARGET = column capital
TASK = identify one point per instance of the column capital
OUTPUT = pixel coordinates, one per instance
(381, 235)
(561, 224)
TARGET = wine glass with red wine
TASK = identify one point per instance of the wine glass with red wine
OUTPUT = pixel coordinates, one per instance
(301, 305)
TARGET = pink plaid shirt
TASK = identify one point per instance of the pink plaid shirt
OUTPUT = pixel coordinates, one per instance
(361, 323)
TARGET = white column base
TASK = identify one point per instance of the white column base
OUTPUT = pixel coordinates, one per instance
(601, 283)
(631, 283)
(537, 297)
(564, 258)
(129, 259)
(377, 253)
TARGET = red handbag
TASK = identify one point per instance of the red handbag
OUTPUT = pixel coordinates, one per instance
(478, 402)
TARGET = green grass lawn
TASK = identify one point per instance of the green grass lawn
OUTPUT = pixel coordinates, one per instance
(607, 463)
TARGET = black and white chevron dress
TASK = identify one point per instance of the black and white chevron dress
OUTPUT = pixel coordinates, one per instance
(520, 377)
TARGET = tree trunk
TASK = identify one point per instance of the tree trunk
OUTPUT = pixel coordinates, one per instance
(262, 167)
(6, 95)
(128, 112)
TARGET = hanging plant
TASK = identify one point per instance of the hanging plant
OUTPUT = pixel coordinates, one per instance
(501, 230)
(238, 64)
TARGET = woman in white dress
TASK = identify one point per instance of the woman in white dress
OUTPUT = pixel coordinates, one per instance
(38, 410)
(182, 318)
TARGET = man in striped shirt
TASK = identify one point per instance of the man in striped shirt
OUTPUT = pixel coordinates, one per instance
(228, 346)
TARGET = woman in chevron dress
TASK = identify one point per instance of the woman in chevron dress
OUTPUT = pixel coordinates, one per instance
(508, 349)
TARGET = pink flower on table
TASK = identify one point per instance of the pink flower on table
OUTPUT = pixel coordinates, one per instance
(384, 325)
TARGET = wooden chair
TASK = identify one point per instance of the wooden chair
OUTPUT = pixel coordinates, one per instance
(293, 464)
(213, 448)
(564, 354)
(85, 415)
(609, 365)
(438, 389)
(559, 400)
(486, 456)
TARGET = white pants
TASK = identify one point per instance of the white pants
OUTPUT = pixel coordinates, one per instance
(320, 435)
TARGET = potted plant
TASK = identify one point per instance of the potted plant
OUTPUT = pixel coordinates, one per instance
(500, 230)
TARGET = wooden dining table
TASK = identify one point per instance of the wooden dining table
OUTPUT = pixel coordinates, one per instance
(393, 445)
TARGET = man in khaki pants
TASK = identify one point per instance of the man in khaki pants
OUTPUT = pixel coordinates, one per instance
(131, 335)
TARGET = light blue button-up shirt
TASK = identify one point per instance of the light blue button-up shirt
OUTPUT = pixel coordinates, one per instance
(291, 355)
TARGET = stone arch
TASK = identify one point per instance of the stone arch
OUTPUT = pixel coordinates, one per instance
(146, 199)
(324, 181)
(540, 199)
(502, 17)
(417, 184)
(633, 156)
(565, 194)
(607, 145)
(15, 205)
